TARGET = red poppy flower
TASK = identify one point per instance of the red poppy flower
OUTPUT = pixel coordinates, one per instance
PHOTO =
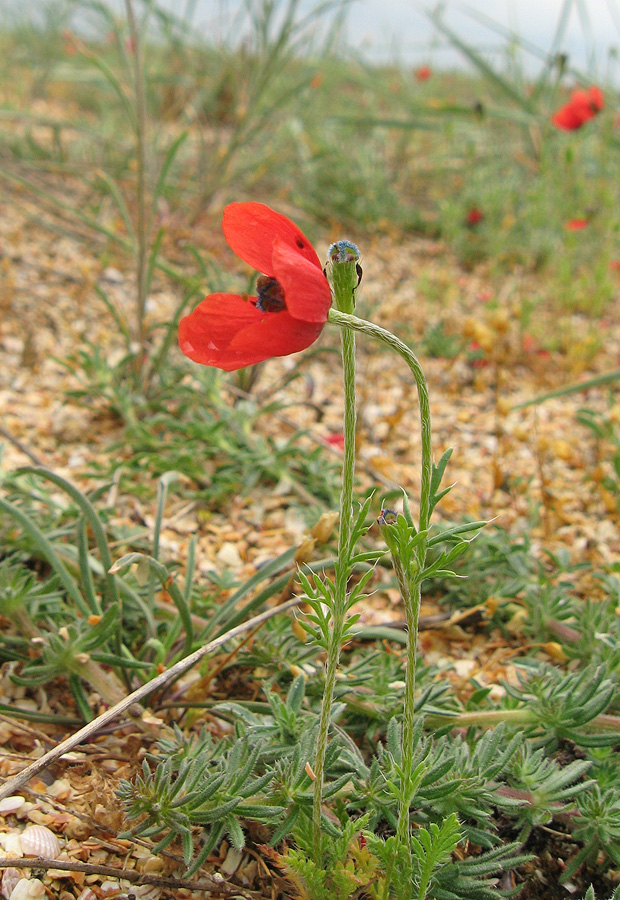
(582, 106)
(531, 345)
(231, 331)
(336, 440)
(423, 73)
(474, 216)
(476, 355)
(576, 224)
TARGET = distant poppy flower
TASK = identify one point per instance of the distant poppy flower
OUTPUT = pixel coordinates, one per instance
(576, 224)
(615, 266)
(582, 106)
(474, 216)
(529, 344)
(476, 355)
(336, 440)
(423, 73)
(231, 331)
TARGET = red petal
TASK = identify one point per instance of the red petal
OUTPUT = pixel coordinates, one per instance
(251, 230)
(570, 117)
(227, 331)
(306, 289)
(582, 106)
(576, 224)
(596, 98)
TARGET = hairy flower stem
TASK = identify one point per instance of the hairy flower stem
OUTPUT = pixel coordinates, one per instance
(344, 282)
(408, 581)
(488, 718)
(345, 320)
(412, 595)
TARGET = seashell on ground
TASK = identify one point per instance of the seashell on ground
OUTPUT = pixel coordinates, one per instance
(37, 840)
(232, 861)
(60, 789)
(142, 891)
(28, 889)
(87, 894)
(10, 877)
(11, 844)
(10, 805)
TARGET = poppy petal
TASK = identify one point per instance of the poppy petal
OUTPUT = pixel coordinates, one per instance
(251, 230)
(306, 289)
(227, 331)
(582, 106)
(596, 97)
(572, 116)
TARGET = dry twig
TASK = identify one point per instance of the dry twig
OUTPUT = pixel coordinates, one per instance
(87, 732)
(211, 883)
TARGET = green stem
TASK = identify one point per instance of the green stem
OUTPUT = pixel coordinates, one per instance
(340, 584)
(411, 594)
(344, 320)
(486, 718)
(105, 683)
(408, 582)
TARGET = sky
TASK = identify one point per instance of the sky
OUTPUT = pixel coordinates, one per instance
(402, 27)
(401, 30)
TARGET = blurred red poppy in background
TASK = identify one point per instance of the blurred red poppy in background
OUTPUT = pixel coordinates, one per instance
(231, 331)
(474, 215)
(582, 106)
(576, 224)
(423, 73)
(336, 440)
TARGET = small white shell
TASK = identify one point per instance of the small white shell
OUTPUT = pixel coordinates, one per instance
(10, 877)
(11, 804)
(142, 891)
(11, 844)
(28, 889)
(232, 861)
(87, 894)
(37, 840)
(60, 789)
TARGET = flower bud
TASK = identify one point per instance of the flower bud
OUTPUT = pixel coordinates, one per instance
(344, 252)
(388, 517)
(386, 521)
(346, 273)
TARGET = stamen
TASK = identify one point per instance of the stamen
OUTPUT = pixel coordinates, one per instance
(270, 294)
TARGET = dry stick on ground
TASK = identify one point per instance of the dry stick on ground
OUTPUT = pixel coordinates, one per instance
(214, 883)
(13, 784)
(22, 447)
